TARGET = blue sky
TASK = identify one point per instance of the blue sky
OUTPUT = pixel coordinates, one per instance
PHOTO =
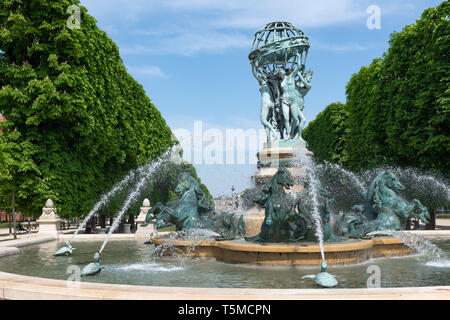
(191, 56)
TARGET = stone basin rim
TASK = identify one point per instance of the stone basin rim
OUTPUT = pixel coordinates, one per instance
(19, 287)
(278, 247)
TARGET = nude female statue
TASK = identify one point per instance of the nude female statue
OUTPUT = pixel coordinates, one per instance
(267, 104)
(303, 88)
(290, 99)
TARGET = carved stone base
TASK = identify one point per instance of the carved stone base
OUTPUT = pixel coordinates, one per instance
(144, 231)
(253, 222)
(49, 222)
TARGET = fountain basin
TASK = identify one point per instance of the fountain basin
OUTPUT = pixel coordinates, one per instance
(130, 266)
(239, 251)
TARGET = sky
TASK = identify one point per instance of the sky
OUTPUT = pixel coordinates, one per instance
(191, 57)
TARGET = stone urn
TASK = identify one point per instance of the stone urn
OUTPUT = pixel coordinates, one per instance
(49, 222)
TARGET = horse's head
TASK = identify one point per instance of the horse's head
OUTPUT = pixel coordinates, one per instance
(393, 182)
(185, 182)
(284, 178)
(390, 180)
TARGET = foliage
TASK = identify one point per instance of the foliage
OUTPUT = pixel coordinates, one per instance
(325, 133)
(77, 122)
(398, 108)
(159, 187)
(397, 111)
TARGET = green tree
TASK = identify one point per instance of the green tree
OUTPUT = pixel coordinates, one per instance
(397, 111)
(365, 138)
(398, 107)
(18, 172)
(159, 187)
(417, 86)
(77, 122)
(325, 133)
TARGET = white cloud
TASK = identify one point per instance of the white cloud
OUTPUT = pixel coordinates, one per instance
(151, 71)
(302, 13)
(188, 27)
(233, 13)
(188, 43)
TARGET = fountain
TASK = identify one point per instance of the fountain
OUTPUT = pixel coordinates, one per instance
(67, 249)
(292, 206)
(323, 279)
(145, 174)
(293, 218)
(93, 267)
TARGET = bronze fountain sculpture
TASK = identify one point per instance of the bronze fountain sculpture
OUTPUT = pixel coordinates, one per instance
(191, 211)
(278, 59)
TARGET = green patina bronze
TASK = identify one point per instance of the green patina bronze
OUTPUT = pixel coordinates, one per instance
(289, 218)
(281, 222)
(65, 251)
(323, 279)
(190, 211)
(382, 209)
(278, 58)
(305, 207)
(93, 267)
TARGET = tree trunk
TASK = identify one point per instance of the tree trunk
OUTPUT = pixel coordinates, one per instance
(131, 221)
(432, 224)
(29, 225)
(102, 221)
(8, 216)
(14, 215)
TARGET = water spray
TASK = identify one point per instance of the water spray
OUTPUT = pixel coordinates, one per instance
(67, 249)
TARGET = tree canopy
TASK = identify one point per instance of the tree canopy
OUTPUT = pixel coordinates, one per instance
(397, 111)
(325, 133)
(76, 121)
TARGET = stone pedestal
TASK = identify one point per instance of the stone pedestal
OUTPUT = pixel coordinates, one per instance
(277, 154)
(144, 231)
(253, 220)
(49, 222)
(274, 155)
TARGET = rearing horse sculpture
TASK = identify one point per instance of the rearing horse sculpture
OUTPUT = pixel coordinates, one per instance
(191, 211)
(280, 222)
(382, 208)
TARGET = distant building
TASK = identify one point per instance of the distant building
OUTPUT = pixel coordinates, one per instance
(222, 202)
(4, 217)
